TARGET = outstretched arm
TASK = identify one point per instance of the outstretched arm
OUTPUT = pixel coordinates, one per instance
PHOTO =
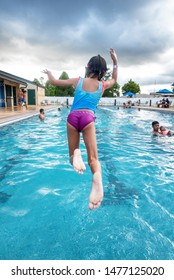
(70, 82)
(111, 82)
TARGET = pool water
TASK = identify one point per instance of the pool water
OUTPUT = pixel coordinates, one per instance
(44, 203)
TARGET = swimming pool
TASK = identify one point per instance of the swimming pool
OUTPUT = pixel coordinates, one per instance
(44, 203)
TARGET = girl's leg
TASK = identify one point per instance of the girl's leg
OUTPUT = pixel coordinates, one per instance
(74, 151)
(96, 194)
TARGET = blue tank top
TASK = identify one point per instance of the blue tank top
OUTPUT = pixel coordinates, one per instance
(85, 100)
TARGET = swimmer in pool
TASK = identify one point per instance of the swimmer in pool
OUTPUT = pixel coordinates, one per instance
(155, 126)
(164, 131)
(41, 114)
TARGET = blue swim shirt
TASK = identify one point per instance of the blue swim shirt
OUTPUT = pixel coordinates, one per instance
(86, 100)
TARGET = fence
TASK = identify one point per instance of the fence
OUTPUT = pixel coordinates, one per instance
(105, 101)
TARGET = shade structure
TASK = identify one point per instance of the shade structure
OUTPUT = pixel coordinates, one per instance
(129, 93)
(166, 91)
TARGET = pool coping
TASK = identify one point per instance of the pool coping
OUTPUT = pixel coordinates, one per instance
(7, 120)
(161, 110)
(13, 119)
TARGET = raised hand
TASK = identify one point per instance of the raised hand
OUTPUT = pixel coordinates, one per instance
(113, 56)
(46, 71)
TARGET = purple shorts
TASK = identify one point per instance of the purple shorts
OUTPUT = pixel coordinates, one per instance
(80, 119)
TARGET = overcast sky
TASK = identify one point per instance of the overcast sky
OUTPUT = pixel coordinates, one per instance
(62, 35)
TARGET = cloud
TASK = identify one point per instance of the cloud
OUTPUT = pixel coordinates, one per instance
(63, 36)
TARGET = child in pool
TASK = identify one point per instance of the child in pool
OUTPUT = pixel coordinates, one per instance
(155, 126)
(88, 92)
(42, 114)
(164, 132)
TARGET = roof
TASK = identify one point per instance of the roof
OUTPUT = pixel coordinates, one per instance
(16, 79)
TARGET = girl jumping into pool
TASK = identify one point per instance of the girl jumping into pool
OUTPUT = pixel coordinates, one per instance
(88, 92)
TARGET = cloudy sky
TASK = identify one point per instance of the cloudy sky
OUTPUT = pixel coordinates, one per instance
(62, 35)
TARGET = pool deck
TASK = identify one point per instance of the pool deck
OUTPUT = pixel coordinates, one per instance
(8, 116)
(153, 108)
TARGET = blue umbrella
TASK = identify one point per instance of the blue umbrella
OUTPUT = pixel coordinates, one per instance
(164, 91)
(129, 93)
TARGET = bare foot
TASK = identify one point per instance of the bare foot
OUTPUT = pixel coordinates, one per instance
(77, 162)
(96, 195)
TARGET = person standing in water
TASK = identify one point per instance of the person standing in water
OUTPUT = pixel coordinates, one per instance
(81, 118)
(41, 114)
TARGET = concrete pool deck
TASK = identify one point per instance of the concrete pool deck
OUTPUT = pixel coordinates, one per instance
(152, 108)
(8, 116)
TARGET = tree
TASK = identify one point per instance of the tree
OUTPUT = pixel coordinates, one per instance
(64, 91)
(64, 76)
(51, 90)
(131, 86)
(40, 82)
(113, 91)
(36, 81)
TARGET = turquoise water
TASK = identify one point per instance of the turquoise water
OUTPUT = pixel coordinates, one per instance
(44, 203)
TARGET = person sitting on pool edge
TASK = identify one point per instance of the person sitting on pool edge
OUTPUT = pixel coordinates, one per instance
(42, 114)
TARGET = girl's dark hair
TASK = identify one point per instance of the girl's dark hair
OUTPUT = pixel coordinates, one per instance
(97, 67)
